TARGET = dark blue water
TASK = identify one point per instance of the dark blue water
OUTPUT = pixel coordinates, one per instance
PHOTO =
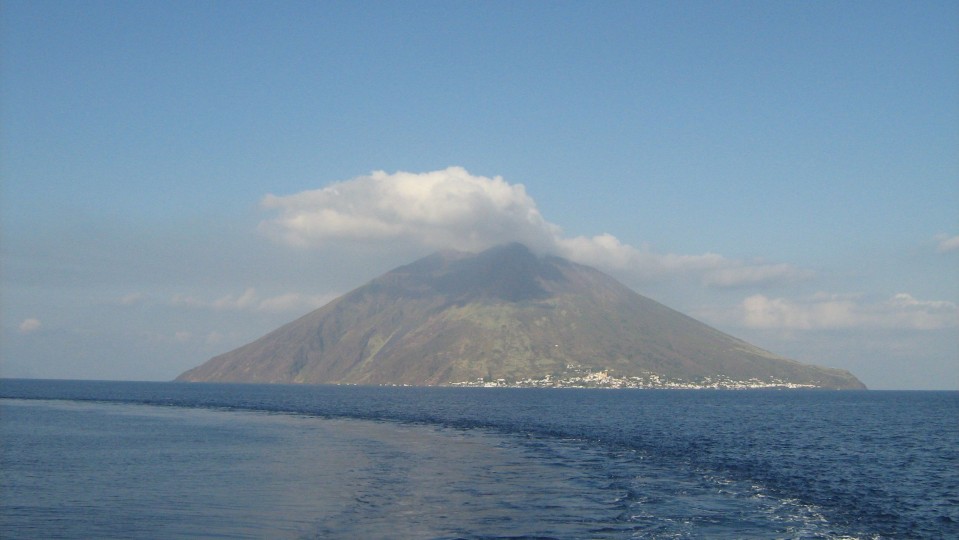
(166, 460)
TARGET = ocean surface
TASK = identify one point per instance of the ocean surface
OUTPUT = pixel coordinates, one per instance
(81, 459)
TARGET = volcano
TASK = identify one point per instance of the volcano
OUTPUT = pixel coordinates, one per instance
(505, 316)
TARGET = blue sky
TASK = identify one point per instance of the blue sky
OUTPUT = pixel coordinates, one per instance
(179, 178)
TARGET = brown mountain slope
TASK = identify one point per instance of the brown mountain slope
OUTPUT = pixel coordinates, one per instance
(501, 314)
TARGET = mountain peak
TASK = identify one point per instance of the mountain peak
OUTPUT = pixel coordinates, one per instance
(510, 273)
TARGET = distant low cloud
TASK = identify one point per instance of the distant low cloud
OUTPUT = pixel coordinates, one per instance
(947, 243)
(825, 311)
(29, 326)
(246, 300)
(131, 299)
(249, 300)
(292, 302)
(738, 273)
(452, 209)
(713, 269)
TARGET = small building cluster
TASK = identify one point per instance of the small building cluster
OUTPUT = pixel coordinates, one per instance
(577, 377)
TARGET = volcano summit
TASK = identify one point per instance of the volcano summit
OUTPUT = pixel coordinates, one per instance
(506, 317)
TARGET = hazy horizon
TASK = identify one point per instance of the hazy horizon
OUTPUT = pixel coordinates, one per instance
(179, 179)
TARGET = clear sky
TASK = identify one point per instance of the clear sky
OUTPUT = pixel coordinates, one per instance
(179, 178)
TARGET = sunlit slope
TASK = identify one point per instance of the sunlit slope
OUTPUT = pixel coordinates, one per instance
(502, 314)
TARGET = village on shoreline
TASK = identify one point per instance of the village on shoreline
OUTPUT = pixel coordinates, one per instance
(603, 379)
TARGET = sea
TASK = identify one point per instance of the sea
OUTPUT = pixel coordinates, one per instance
(87, 459)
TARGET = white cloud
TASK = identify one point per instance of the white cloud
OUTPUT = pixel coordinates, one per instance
(29, 325)
(825, 311)
(922, 314)
(762, 312)
(453, 209)
(249, 300)
(713, 269)
(947, 243)
(441, 209)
